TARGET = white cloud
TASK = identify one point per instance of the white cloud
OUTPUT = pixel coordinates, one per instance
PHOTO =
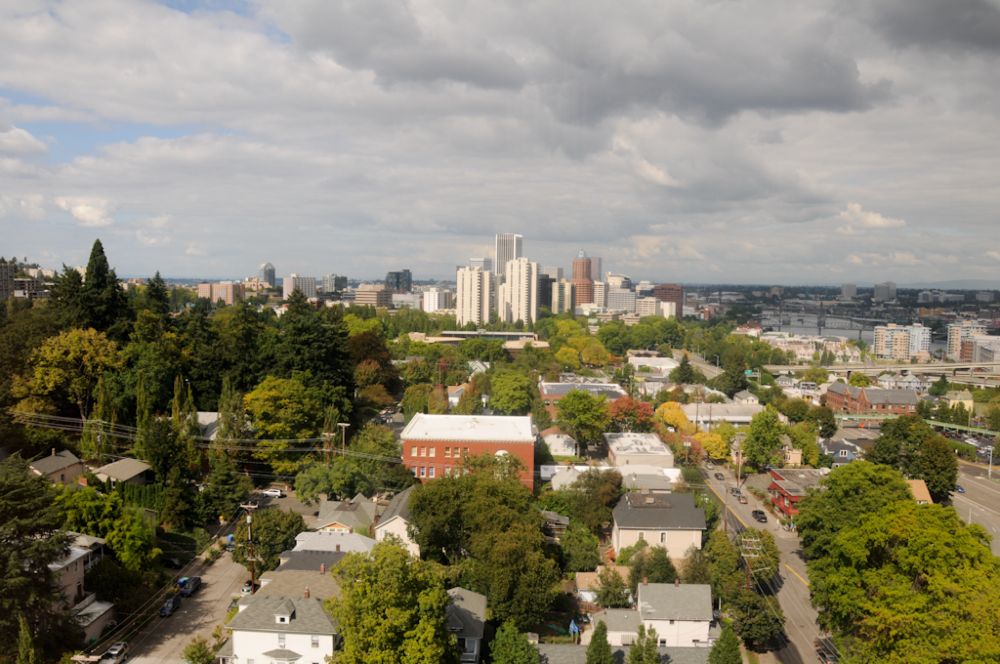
(90, 212)
(28, 206)
(994, 254)
(856, 217)
(15, 140)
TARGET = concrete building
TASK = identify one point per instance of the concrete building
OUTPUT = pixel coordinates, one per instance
(226, 291)
(985, 348)
(671, 293)
(373, 295)
(553, 271)
(545, 283)
(596, 268)
(436, 299)
(334, 283)
(517, 296)
(482, 262)
(848, 291)
(266, 275)
(400, 281)
(474, 295)
(884, 292)
(620, 299)
(507, 247)
(600, 294)
(435, 445)
(650, 306)
(583, 283)
(646, 449)
(961, 332)
(902, 342)
(563, 296)
(293, 282)
(671, 521)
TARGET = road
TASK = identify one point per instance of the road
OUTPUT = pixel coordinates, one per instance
(793, 590)
(981, 501)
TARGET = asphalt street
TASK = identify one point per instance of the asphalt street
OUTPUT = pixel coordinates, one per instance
(981, 501)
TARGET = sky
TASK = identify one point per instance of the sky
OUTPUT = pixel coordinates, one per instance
(709, 141)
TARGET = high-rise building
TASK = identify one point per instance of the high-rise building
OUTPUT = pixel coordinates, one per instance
(267, 275)
(562, 296)
(508, 247)
(901, 342)
(963, 332)
(650, 306)
(545, 291)
(621, 299)
(399, 282)
(553, 271)
(985, 348)
(848, 291)
(293, 282)
(373, 295)
(920, 340)
(671, 293)
(517, 296)
(583, 283)
(884, 292)
(436, 299)
(474, 295)
(227, 291)
(483, 263)
(617, 280)
(596, 268)
(333, 283)
(600, 294)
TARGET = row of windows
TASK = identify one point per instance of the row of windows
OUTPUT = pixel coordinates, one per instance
(449, 452)
(314, 639)
(429, 471)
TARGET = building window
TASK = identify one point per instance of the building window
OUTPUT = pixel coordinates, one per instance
(413, 451)
(414, 469)
(432, 452)
(430, 472)
(466, 452)
(423, 451)
(315, 641)
(447, 453)
(663, 538)
(281, 640)
(423, 471)
(843, 453)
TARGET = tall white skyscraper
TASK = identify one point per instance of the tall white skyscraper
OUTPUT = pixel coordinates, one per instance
(482, 262)
(293, 282)
(508, 247)
(474, 295)
(562, 296)
(517, 296)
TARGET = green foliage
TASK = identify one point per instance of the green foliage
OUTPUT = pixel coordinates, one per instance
(510, 646)
(225, 488)
(757, 620)
(723, 566)
(652, 564)
(128, 590)
(391, 609)
(685, 374)
(818, 375)
(644, 649)
(580, 548)
(763, 440)
(102, 301)
(282, 409)
(133, 541)
(696, 567)
(911, 445)
(310, 343)
(511, 393)
(599, 650)
(198, 652)
(824, 420)
(939, 388)
(765, 565)
(612, 591)
(415, 399)
(727, 649)
(273, 531)
(589, 500)
(859, 379)
(337, 480)
(803, 437)
(26, 652)
(796, 410)
(583, 415)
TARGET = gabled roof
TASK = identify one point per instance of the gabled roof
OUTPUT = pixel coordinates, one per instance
(123, 469)
(398, 506)
(333, 541)
(669, 601)
(259, 616)
(358, 512)
(892, 397)
(920, 491)
(466, 614)
(54, 462)
(674, 511)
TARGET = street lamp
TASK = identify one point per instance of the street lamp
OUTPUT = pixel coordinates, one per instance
(343, 436)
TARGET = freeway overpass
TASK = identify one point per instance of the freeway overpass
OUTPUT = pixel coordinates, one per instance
(852, 417)
(933, 368)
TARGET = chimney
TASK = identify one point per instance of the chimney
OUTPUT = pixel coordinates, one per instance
(53, 451)
(677, 583)
(322, 568)
(306, 593)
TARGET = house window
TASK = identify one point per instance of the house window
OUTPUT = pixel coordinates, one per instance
(641, 535)
(430, 472)
(663, 538)
(447, 453)
(281, 640)
(315, 641)
(843, 453)
(466, 452)
(433, 452)
(414, 469)
(413, 451)
(423, 451)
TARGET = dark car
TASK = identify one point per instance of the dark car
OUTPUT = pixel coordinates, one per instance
(172, 604)
(189, 585)
(719, 476)
(959, 488)
(759, 516)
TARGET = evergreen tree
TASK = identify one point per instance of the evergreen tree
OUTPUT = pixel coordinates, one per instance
(644, 650)
(105, 306)
(510, 646)
(26, 653)
(307, 344)
(157, 297)
(95, 441)
(225, 488)
(727, 649)
(67, 297)
(599, 650)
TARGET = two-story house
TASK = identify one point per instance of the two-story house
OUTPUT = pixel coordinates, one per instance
(466, 619)
(273, 629)
(681, 614)
(395, 522)
(671, 521)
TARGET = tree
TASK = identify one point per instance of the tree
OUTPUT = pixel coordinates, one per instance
(133, 540)
(723, 566)
(198, 652)
(157, 298)
(273, 531)
(727, 649)
(685, 374)
(934, 462)
(65, 370)
(26, 653)
(803, 437)
(282, 409)
(652, 565)
(818, 375)
(339, 479)
(67, 297)
(391, 609)
(612, 591)
(31, 538)
(225, 488)
(909, 444)
(796, 410)
(824, 419)
(415, 399)
(599, 650)
(757, 620)
(580, 548)
(859, 379)
(104, 303)
(766, 560)
(568, 358)
(939, 388)
(510, 646)
(644, 649)
(671, 414)
(308, 344)
(696, 567)
(583, 415)
(628, 414)
(763, 440)
(713, 444)
(511, 393)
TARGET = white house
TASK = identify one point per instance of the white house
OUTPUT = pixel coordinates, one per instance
(681, 613)
(646, 449)
(334, 542)
(346, 516)
(466, 619)
(395, 521)
(280, 630)
(668, 520)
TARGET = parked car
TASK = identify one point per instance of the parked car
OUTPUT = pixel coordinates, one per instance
(274, 493)
(959, 488)
(719, 476)
(117, 653)
(759, 516)
(172, 604)
(247, 588)
(189, 585)
(741, 499)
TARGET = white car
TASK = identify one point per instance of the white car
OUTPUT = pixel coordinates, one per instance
(274, 493)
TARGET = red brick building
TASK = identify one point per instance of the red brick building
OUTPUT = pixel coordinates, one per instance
(789, 486)
(844, 398)
(434, 445)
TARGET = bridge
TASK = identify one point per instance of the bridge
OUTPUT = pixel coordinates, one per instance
(853, 417)
(933, 368)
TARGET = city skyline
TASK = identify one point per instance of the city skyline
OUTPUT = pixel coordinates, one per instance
(742, 143)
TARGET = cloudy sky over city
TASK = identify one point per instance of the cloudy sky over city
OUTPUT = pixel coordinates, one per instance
(702, 141)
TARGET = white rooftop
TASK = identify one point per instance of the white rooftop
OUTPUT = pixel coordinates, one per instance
(636, 443)
(333, 541)
(483, 428)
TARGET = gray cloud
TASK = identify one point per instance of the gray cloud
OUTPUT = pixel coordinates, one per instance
(971, 25)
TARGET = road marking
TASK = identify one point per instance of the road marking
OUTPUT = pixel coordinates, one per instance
(797, 575)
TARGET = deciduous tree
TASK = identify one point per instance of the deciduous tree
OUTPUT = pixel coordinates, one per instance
(727, 649)
(583, 415)
(510, 646)
(580, 548)
(511, 393)
(763, 440)
(612, 591)
(273, 531)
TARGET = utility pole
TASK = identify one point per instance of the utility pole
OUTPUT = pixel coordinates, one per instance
(250, 553)
(343, 436)
(328, 446)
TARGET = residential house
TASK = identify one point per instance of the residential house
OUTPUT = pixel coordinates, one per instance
(646, 449)
(396, 520)
(466, 619)
(568, 653)
(962, 398)
(333, 541)
(346, 516)
(920, 492)
(841, 450)
(681, 613)
(785, 381)
(791, 456)
(59, 467)
(650, 479)
(551, 393)
(560, 443)
(274, 629)
(710, 415)
(671, 521)
(587, 583)
(91, 615)
(455, 393)
(789, 487)
(746, 397)
(125, 471)
(554, 524)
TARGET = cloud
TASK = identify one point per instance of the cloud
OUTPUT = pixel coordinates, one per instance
(994, 254)
(14, 140)
(90, 212)
(857, 218)
(969, 25)
(28, 206)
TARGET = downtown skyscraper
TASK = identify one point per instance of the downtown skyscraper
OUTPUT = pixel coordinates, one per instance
(508, 246)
